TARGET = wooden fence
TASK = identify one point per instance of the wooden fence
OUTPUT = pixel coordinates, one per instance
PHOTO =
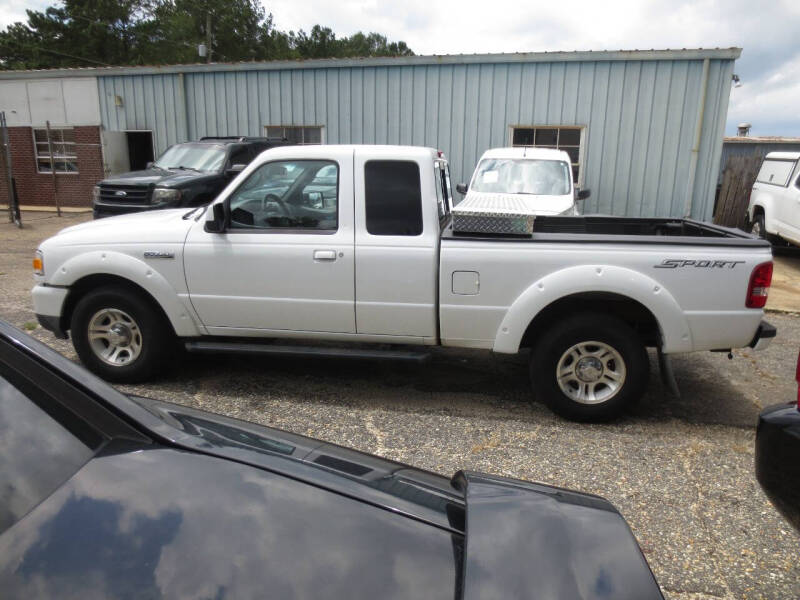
(734, 194)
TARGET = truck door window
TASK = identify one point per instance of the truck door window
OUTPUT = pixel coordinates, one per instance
(294, 194)
(392, 197)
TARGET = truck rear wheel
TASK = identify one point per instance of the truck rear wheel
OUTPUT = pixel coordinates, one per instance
(119, 336)
(757, 228)
(589, 367)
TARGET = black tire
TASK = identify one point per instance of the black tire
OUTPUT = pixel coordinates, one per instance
(153, 335)
(576, 334)
(757, 226)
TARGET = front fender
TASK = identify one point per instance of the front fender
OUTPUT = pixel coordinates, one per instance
(125, 266)
(675, 333)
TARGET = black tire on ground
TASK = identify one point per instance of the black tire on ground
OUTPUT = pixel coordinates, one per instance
(152, 338)
(757, 226)
(576, 344)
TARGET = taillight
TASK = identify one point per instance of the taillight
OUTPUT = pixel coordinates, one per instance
(758, 290)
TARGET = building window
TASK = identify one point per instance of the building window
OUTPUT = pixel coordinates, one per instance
(62, 141)
(295, 133)
(567, 139)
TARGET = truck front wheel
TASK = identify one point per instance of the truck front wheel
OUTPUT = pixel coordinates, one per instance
(119, 336)
(589, 367)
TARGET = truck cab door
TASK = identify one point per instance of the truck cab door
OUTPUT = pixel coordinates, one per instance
(397, 245)
(285, 262)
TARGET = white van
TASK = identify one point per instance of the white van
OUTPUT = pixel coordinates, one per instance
(774, 207)
(540, 177)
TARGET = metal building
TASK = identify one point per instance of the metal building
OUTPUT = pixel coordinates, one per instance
(644, 128)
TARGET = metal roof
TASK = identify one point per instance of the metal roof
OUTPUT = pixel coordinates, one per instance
(763, 139)
(335, 63)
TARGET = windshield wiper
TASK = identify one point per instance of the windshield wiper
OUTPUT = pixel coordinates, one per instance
(181, 167)
(191, 212)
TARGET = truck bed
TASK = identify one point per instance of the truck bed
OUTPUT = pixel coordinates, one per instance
(608, 229)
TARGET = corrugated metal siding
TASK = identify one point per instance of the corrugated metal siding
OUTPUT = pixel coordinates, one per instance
(639, 115)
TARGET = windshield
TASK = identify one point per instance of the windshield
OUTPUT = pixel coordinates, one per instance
(522, 176)
(198, 157)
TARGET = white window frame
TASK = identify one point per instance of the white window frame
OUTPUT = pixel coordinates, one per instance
(66, 157)
(581, 145)
(302, 128)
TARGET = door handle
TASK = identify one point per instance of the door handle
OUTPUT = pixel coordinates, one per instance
(324, 255)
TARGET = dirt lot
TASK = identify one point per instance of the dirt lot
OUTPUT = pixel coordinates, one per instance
(680, 470)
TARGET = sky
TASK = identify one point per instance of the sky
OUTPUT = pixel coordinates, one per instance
(768, 33)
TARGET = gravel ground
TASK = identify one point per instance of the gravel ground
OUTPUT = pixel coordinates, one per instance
(680, 470)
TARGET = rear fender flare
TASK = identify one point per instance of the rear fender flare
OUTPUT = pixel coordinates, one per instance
(675, 332)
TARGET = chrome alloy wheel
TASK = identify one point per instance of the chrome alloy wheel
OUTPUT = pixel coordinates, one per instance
(115, 337)
(591, 372)
(756, 229)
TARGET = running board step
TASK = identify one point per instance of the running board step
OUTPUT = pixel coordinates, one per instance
(276, 350)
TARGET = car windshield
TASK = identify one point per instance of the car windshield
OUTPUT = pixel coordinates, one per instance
(522, 176)
(194, 157)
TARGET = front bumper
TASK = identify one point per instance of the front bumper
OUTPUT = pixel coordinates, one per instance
(777, 463)
(48, 302)
(764, 336)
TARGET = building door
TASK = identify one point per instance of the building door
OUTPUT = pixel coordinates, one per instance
(140, 149)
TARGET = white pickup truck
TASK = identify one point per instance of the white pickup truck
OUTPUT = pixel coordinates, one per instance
(352, 244)
(774, 208)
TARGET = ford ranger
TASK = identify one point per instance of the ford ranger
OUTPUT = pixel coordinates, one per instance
(353, 244)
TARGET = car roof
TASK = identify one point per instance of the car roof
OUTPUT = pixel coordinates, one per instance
(237, 140)
(526, 152)
(371, 151)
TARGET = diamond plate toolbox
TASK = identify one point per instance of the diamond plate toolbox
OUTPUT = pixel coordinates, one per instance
(492, 214)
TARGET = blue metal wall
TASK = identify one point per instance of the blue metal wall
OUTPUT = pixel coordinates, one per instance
(640, 114)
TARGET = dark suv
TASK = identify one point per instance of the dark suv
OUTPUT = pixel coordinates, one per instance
(188, 174)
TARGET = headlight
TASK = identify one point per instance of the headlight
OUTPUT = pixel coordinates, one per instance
(164, 195)
(38, 263)
(96, 193)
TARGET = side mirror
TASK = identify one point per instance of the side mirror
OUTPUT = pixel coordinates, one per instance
(149, 165)
(234, 170)
(314, 199)
(462, 188)
(583, 194)
(215, 218)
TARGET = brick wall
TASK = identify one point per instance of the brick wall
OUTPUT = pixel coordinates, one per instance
(37, 189)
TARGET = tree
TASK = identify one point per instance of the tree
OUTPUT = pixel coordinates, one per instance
(76, 33)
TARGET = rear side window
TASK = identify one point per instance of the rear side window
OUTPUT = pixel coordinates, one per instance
(240, 156)
(442, 190)
(37, 454)
(776, 172)
(392, 196)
